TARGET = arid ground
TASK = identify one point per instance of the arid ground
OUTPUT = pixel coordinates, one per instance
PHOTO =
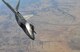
(57, 23)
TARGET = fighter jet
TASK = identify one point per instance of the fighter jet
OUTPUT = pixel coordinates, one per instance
(22, 22)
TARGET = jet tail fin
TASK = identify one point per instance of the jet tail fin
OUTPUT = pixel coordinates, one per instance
(8, 5)
(17, 7)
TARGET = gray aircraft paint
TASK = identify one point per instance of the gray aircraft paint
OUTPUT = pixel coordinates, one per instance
(27, 28)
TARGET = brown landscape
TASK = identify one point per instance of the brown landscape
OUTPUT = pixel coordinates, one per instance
(57, 23)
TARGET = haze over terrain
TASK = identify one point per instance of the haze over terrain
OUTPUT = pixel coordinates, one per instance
(57, 23)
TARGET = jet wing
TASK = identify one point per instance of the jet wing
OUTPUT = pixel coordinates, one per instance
(27, 16)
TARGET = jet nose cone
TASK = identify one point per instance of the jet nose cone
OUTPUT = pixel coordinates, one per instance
(32, 37)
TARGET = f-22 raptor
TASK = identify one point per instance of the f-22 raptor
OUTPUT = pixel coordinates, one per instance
(27, 27)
